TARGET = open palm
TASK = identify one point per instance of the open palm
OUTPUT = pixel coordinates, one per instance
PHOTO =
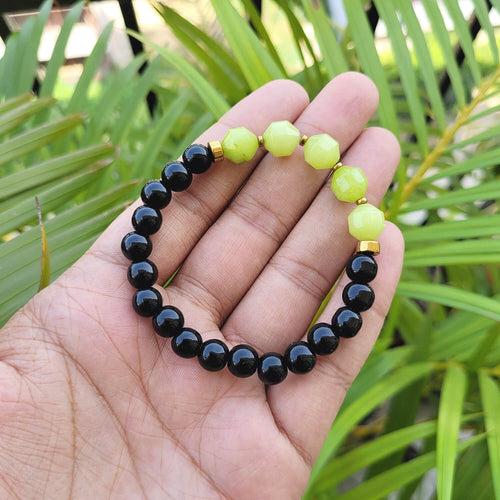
(94, 404)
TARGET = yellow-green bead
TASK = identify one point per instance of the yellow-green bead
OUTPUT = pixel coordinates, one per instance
(366, 222)
(239, 144)
(349, 183)
(281, 138)
(321, 151)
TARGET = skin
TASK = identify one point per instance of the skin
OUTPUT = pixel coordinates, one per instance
(94, 405)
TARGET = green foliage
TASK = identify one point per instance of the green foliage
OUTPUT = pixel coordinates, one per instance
(83, 158)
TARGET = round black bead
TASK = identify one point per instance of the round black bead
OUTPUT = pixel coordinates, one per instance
(272, 369)
(299, 358)
(142, 274)
(146, 220)
(147, 302)
(155, 194)
(176, 176)
(168, 322)
(136, 246)
(346, 323)
(361, 268)
(197, 158)
(187, 343)
(358, 296)
(213, 355)
(243, 361)
(322, 339)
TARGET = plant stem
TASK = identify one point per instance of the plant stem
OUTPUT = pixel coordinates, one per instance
(443, 143)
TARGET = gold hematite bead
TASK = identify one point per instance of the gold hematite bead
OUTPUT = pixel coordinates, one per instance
(216, 149)
(361, 201)
(337, 166)
(261, 140)
(369, 246)
(303, 139)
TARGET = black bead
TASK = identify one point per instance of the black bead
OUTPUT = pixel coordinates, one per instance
(197, 158)
(147, 302)
(213, 355)
(346, 323)
(136, 246)
(299, 358)
(142, 274)
(361, 268)
(176, 176)
(155, 194)
(168, 322)
(187, 343)
(358, 296)
(243, 361)
(146, 220)
(322, 339)
(272, 369)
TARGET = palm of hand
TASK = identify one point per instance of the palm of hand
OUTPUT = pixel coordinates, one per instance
(93, 403)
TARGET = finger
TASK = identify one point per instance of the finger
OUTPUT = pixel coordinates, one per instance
(292, 286)
(314, 400)
(191, 212)
(233, 252)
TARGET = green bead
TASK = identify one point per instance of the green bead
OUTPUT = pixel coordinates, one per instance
(366, 222)
(321, 151)
(281, 138)
(349, 184)
(239, 144)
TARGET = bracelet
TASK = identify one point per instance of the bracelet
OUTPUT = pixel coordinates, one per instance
(365, 222)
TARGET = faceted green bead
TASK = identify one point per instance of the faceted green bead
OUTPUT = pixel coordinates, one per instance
(239, 144)
(321, 151)
(281, 138)
(349, 183)
(366, 222)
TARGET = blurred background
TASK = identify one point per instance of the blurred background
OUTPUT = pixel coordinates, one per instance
(95, 96)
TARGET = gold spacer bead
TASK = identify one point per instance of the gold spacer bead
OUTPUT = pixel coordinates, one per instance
(303, 139)
(368, 246)
(337, 166)
(361, 201)
(216, 149)
(261, 140)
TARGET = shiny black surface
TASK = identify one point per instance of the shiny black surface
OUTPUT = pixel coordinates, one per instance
(361, 268)
(146, 220)
(358, 297)
(142, 274)
(272, 369)
(322, 339)
(197, 158)
(168, 322)
(299, 357)
(346, 323)
(187, 343)
(156, 195)
(136, 246)
(147, 302)
(243, 360)
(176, 176)
(213, 355)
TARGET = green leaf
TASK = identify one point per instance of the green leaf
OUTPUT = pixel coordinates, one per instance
(18, 146)
(57, 57)
(451, 297)
(17, 116)
(481, 11)
(450, 413)
(208, 94)
(381, 391)
(490, 396)
(14, 102)
(255, 62)
(45, 256)
(387, 482)
(79, 98)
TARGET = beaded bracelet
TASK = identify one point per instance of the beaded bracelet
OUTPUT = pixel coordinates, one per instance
(365, 223)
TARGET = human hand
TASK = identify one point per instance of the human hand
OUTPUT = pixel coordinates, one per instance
(94, 404)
